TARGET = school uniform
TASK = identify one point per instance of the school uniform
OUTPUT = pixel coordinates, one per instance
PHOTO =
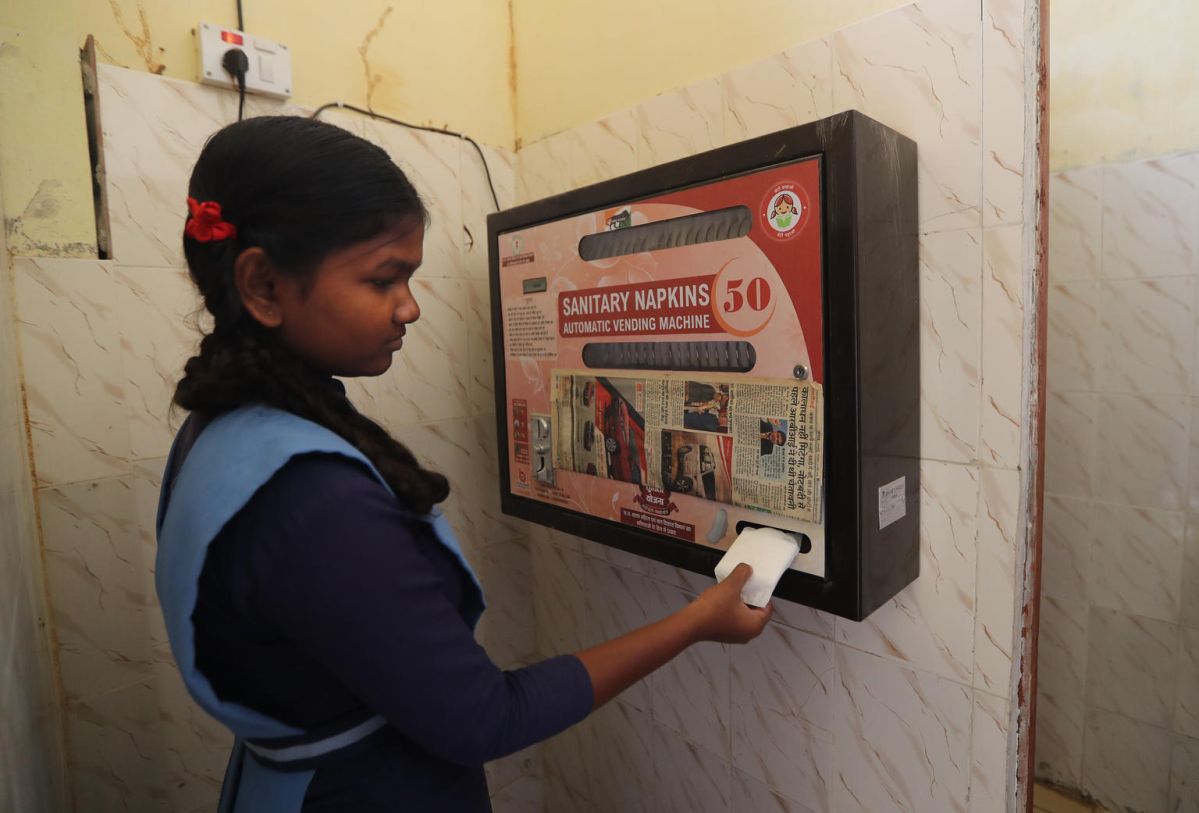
(332, 630)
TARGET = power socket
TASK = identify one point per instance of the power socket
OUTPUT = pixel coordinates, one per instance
(269, 73)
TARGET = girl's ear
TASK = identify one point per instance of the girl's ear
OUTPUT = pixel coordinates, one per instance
(257, 282)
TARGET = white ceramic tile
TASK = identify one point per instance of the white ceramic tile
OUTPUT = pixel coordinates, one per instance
(750, 794)
(1146, 335)
(616, 556)
(782, 694)
(428, 379)
(950, 344)
(1003, 357)
(195, 746)
(680, 123)
(790, 88)
(146, 482)
(1071, 431)
(543, 168)
(566, 769)
(477, 202)
(481, 382)
(1003, 111)
(483, 509)
(156, 312)
(989, 754)
(1075, 224)
(1073, 349)
(506, 629)
(74, 380)
(1066, 548)
(902, 738)
(930, 623)
(1149, 213)
(1061, 689)
(432, 162)
(1136, 561)
(1141, 449)
(1127, 763)
(1131, 666)
(507, 770)
(559, 603)
(154, 129)
(1186, 713)
(94, 576)
(918, 70)
(603, 149)
(817, 622)
(685, 580)
(522, 796)
(622, 759)
(1184, 776)
(619, 602)
(1190, 575)
(688, 778)
(995, 610)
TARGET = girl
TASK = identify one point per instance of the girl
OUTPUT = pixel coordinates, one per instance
(316, 600)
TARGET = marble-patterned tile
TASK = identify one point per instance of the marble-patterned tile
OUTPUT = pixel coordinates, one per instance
(902, 738)
(604, 148)
(1186, 712)
(619, 602)
(429, 377)
(481, 382)
(559, 603)
(817, 622)
(1127, 765)
(1136, 560)
(687, 777)
(790, 88)
(505, 771)
(156, 312)
(96, 586)
(750, 794)
(919, 70)
(477, 201)
(1146, 335)
(1003, 135)
(74, 380)
(783, 715)
(1184, 776)
(680, 123)
(1073, 348)
(146, 482)
(1141, 449)
(484, 510)
(989, 754)
(622, 759)
(432, 162)
(930, 623)
(450, 448)
(543, 168)
(1075, 224)
(154, 129)
(566, 767)
(195, 746)
(685, 580)
(1132, 666)
(995, 611)
(1061, 689)
(1066, 548)
(522, 796)
(950, 344)
(115, 752)
(1003, 356)
(615, 556)
(1071, 435)
(1190, 575)
(363, 393)
(1149, 213)
(506, 629)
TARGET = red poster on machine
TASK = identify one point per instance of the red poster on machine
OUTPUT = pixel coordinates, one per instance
(664, 359)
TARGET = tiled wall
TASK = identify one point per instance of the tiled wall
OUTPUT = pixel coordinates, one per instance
(30, 729)
(910, 710)
(104, 343)
(1118, 706)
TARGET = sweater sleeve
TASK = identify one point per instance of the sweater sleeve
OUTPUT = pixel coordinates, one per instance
(342, 573)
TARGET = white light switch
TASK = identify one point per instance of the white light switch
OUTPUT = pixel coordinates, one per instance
(269, 74)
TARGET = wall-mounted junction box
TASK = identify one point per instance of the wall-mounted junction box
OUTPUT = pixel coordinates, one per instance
(269, 73)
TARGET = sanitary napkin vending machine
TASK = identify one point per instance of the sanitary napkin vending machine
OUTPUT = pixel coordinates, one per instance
(723, 342)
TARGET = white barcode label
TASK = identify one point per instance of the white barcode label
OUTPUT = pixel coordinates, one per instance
(892, 502)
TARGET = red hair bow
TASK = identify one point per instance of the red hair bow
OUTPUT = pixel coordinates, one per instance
(205, 223)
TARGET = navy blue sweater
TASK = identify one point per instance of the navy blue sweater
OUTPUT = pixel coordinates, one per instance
(320, 601)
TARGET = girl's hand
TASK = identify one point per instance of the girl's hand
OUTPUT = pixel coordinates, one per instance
(719, 614)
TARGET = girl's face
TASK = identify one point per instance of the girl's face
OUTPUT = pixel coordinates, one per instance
(782, 207)
(349, 317)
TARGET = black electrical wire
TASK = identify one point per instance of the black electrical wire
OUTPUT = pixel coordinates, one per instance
(241, 25)
(381, 117)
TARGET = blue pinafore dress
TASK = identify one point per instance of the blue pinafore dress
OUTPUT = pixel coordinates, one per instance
(236, 454)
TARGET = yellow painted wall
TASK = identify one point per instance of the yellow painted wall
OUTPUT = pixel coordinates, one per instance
(578, 60)
(443, 63)
(1122, 80)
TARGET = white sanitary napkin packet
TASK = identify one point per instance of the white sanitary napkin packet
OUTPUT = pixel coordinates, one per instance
(769, 552)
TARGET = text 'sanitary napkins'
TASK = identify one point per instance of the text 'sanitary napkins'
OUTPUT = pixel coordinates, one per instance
(769, 552)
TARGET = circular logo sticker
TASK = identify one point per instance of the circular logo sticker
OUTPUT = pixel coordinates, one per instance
(785, 210)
